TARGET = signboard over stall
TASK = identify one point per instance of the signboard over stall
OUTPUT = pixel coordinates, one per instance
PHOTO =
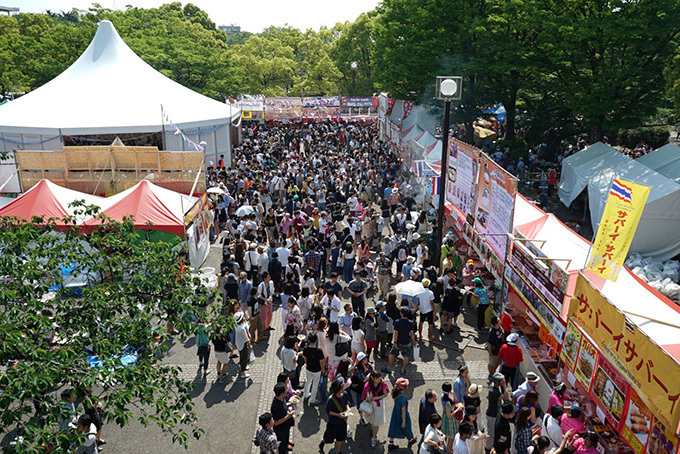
(462, 179)
(651, 373)
(359, 101)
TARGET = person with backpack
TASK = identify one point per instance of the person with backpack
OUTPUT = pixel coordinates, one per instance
(203, 344)
(401, 254)
(338, 410)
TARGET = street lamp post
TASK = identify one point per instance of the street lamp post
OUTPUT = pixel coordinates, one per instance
(354, 65)
(448, 89)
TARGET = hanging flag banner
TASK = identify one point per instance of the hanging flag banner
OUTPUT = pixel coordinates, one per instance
(619, 221)
(649, 370)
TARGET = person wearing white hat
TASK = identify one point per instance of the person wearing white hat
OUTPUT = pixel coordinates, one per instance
(426, 306)
(530, 383)
(512, 356)
(242, 341)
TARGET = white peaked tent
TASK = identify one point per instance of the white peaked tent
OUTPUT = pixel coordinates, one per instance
(596, 167)
(110, 90)
(581, 167)
(664, 160)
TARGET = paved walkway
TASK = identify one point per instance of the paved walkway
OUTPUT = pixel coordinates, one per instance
(228, 410)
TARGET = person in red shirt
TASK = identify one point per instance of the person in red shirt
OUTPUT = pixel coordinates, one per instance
(507, 320)
(512, 357)
(552, 176)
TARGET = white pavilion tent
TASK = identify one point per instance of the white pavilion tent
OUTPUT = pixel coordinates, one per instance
(111, 90)
(664, 160)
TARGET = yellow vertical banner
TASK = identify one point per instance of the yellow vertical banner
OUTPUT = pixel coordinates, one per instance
(617, 228)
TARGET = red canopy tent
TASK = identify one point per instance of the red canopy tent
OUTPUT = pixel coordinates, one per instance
(144, 203)
(47, 200)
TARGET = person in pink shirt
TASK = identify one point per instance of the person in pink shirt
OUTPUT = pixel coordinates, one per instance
(586, 444)
(557, 395)
(572, 420)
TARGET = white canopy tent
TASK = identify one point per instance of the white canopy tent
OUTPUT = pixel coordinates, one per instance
(596, 167)
(664, 160)
(110, 90)
(658, 233)
(580, 167)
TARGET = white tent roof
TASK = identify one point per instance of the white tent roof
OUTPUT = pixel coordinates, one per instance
(110, 89)
(580, 167)
(664, 160)
(657, 233)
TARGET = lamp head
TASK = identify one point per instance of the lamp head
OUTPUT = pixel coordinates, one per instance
(448, 87)
(354, 65)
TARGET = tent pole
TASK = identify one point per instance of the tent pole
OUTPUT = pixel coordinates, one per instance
(163, 127)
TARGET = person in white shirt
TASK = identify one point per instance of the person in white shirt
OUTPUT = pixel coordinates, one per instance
(459, 442)
(250, 261)
(284, 253)
(262, 261)
(333, 304)
(433, 437)
(86, 427)
(426, 304)
(551, 426)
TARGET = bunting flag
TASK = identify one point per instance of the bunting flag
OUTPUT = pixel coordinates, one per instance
(178, 132)
(435, 185)
(419, 168)
(408, 107)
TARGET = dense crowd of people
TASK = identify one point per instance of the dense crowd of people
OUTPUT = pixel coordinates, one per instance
(315, 217)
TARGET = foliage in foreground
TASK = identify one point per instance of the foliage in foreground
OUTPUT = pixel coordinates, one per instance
(131, 282)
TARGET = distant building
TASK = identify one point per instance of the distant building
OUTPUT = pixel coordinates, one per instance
(230, 29)
(14, 9)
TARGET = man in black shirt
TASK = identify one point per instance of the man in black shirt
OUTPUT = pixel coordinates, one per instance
(337, 410)
(426, 409)
(498, 393)
(316, 362)
(502, 428)
(495, 341)
(283, 418)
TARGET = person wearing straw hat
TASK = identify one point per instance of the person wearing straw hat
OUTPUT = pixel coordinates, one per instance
(530, 384)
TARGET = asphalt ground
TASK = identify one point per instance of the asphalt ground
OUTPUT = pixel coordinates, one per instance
(228, 410)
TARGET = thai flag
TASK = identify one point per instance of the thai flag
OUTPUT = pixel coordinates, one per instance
(621, 191)
(419, 169)
(435, 185)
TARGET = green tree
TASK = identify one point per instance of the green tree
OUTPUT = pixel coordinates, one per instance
(47, 340)
(606, 58)
(355, 41)
(317, 74)
(266, 65)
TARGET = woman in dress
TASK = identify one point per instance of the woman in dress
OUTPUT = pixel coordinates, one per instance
(293, 321)
(358, 341)
(333, 337)
(450, 414)
(375, 390)
(477, 439)
(400, 422)
(349, 257)
(364, 251)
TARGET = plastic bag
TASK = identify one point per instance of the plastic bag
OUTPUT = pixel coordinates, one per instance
(252, 355)
(416, 353)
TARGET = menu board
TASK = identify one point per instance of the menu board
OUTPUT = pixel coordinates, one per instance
(462, 178)
(611, 390)
(585, 364)
(537, 277)
(635, 429)
(494, 203)
(662, 440)
(534, 301)
(572, 341)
